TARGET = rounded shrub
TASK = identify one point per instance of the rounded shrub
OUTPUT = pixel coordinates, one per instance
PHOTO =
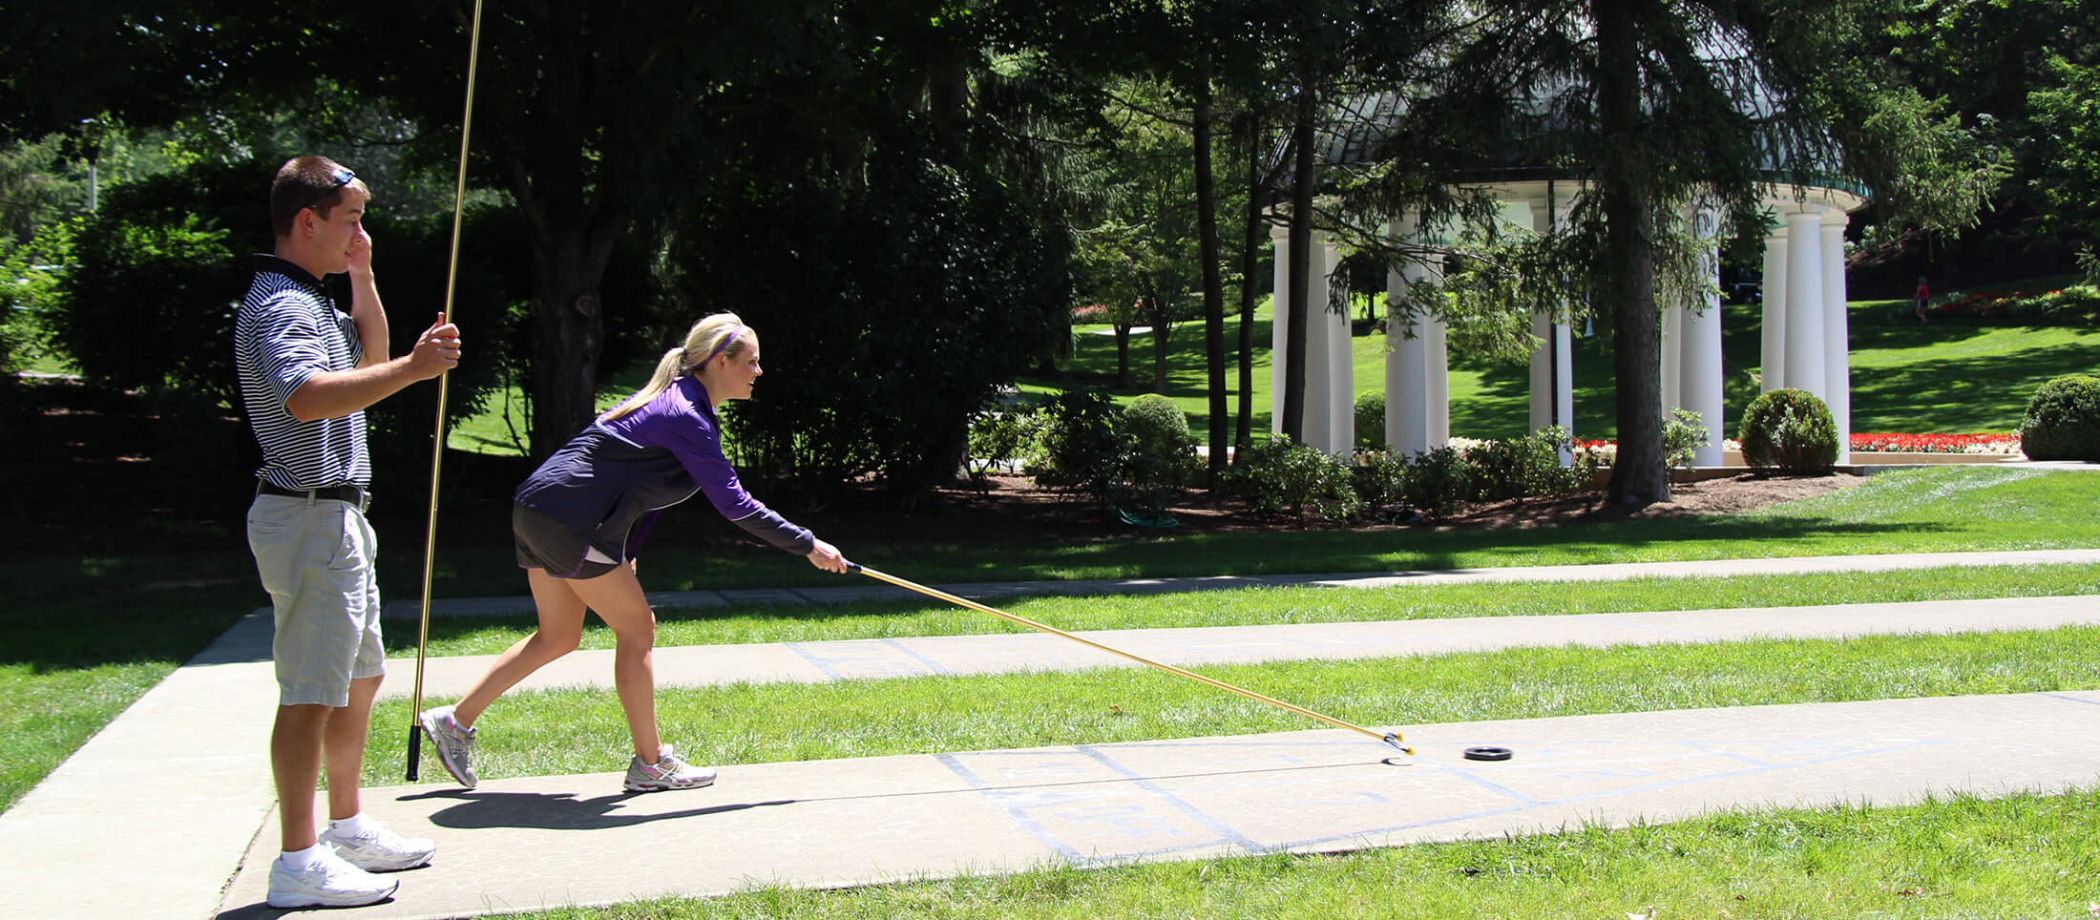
(1162, 452)
(1370, 421)
(2063, 420)
(1790, 430)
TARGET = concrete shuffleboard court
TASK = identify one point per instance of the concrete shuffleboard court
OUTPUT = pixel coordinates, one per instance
(555, 841)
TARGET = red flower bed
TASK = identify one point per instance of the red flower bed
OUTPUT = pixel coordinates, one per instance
(1896, 442)
(1979, 443)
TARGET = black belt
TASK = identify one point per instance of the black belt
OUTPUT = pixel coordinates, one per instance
(354, 495)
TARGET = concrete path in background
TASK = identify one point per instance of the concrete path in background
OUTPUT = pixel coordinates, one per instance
(949, 656)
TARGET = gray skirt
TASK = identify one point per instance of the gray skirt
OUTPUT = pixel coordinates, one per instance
(544, 542)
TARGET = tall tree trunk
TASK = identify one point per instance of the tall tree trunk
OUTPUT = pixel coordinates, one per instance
(568, 330)
(1213, 283)
(1300, 278)
(571, 236)
(1159, 357)
(1640, 475)
(1123, 355)
(1250, 262)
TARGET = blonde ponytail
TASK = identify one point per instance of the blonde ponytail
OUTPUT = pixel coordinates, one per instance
(720, 333)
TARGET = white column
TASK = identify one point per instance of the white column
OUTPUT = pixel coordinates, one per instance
(1772, 357)
(1552, 370)
(1804, 300)
(1837, 358)
(1553, 363)
(1439, 395)
(1319, 347)
(1672, 356)
(1519, 214)
(1439, 374)
(1406, 358)
(1701, 387)
(1280, 237)
(1340, 365)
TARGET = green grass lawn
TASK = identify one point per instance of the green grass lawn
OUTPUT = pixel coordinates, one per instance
(1943, 377)
(503, 426)
(1926, 510)
(88, 635)
(913, 616)
(2023, 856)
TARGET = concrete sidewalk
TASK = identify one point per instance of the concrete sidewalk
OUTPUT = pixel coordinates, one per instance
(858, 591)
(547, 842)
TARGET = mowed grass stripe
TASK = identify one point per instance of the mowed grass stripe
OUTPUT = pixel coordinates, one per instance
(1269, 606)
(2021, 856)
(581, 731)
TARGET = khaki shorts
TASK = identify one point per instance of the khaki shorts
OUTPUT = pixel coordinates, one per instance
(315, 558)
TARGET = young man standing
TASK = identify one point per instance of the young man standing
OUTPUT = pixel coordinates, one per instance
(307, 373)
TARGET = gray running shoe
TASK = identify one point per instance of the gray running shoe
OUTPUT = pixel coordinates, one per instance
(329, 882)
(380, 849)
(455, 745)
(667, 773)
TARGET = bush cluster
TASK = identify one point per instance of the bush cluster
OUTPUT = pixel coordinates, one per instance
(1282, 478)
(1789, 430)
(1140, 458)
(1528, 466)
(2063, 420)
(2075, 305)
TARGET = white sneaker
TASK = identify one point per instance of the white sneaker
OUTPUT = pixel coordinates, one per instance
(380, 849)
(455, 745)
(669, 772)
(329, 882)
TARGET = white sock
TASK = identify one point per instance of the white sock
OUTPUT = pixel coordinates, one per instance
(298, 860)
(356, 825)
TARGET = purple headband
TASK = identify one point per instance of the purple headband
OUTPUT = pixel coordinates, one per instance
(731, 340)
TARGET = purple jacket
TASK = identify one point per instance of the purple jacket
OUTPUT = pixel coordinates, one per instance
(608, 483)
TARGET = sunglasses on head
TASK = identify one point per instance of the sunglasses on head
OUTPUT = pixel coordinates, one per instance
(339, 177)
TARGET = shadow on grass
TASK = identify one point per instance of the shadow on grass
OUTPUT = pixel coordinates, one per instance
(72, 612)
(1981, 393)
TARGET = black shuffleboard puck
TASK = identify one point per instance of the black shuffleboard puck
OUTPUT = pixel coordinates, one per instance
(1489, 753)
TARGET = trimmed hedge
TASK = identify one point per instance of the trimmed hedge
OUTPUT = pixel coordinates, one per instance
(2063, 420)
(1160, 457)
(1790, 430)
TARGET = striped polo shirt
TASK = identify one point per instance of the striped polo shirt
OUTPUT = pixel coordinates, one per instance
(287, 331)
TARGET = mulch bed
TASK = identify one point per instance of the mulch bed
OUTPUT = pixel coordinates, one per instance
(1014, 509)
